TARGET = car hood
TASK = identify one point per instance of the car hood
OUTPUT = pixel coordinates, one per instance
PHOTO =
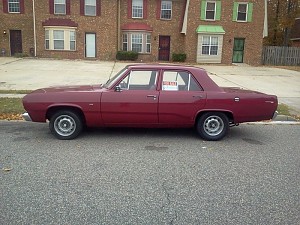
(72, 88)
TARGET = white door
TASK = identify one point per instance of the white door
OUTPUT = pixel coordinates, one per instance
(90, 45)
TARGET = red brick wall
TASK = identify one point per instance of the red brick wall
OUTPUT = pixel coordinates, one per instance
(17, 21)
(106, 28)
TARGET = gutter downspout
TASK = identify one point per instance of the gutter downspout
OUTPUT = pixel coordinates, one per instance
(34, 27)
(185, 19)
(118, 24)
(265, 32)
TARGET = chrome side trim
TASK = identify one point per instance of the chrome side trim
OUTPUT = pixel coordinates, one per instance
(26, 117)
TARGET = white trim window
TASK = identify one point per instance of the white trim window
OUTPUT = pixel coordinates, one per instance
(125, 42)
(14, 6)
(137, 42)
(210, 45)
(90, 7)
(72, 40)
(58, 38)
(242, 12)
(166, 10)
(210, 12)
(60, 7)
(137, 8)
(47, 39)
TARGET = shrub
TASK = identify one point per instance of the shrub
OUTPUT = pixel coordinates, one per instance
(127, 55)
(178, 57)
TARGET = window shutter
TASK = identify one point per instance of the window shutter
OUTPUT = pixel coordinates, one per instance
(145, 9)
(250, 9)
(22, 8)
(51, 6)
(98, 7)
(5, 6)
(218, 10)
(158, 9)
(68, 10)
(203, 8)
(234, 13)
(129, 9)
(82, 7)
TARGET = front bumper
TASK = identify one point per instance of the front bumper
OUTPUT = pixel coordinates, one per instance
(26, 116)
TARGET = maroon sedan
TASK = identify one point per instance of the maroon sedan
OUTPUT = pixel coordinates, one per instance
(149, 96)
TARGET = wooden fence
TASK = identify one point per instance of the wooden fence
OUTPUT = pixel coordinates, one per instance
(281, 56)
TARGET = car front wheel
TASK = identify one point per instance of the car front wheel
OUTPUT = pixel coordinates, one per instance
(65, 125)
(213, 126)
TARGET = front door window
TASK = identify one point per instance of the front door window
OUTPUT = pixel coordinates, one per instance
(238, 50)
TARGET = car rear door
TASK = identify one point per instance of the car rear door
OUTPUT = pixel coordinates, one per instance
(134, 101)
(181, 98)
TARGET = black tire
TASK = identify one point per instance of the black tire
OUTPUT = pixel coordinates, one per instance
(213, 126)
(65, 125)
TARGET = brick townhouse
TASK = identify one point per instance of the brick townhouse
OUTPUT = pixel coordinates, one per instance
(208, 31)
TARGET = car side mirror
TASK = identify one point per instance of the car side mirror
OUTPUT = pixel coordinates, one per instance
(118, 89)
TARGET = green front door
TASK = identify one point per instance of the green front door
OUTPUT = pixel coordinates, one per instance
(238, 50)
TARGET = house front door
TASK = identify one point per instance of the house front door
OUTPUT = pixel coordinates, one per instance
(90, 45)
(164, 48)
(238, 50)
(15, 42)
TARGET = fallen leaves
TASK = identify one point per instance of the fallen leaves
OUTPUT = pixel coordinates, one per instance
(10, 116)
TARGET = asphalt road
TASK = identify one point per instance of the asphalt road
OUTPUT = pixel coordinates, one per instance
(139, 176)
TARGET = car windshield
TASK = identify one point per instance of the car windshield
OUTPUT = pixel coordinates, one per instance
(112, 80)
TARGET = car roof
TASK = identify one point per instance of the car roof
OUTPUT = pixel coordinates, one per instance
(163, 66)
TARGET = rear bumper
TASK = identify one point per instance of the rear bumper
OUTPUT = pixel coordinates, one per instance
(275, 115)
(26, 116)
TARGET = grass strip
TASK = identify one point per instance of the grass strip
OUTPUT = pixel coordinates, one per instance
(15, 91)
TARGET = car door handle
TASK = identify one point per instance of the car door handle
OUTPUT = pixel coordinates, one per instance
(197, 96)
(152, 96)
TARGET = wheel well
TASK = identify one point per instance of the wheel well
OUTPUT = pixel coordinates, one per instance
(228, 114)
(51, 111)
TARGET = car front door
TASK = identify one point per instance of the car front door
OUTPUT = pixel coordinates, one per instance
(181, 97)
(133, 102)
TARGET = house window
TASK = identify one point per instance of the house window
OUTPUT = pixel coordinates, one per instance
(137, 8)
(59, 6)
(242, 12)
(14, 6)
(137, 42)
(125, 42)
(47, 40)
(210, 10)
(148, 43)
(90, 7)
(72, 40)
(210, 45)
(57, 38)
(166, 10)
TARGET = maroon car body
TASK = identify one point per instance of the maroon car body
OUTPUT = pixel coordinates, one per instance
(149, 96)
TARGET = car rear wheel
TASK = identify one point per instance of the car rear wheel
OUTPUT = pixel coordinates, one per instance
(213, 126)
(65, 125)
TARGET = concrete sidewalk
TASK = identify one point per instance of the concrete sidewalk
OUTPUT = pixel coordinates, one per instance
(30, 74)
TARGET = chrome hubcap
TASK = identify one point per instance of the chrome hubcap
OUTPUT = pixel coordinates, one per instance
(213, 125)
(64, 125)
